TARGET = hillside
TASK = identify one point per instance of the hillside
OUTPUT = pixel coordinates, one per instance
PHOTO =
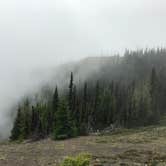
(134, 147)
(95, 93)
(68, 116)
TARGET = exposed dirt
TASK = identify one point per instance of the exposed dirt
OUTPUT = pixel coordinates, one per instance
(146, 146)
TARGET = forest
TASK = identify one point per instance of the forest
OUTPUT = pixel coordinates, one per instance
(128, 91)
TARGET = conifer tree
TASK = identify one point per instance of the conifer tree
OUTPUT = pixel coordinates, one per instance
(55, 101)
(34, 120)
(27, 119)
(96, 111)
(63, 128)
(154, 95)
(54, 108)
(16, 131)
(84, 116)
(74, 101)
(71, 107)
(70, 95)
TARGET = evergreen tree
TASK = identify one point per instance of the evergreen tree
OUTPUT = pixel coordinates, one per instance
(34, 120)
(96, 112)
(16, 131)
(84, 115)
(63, 128)
(70, 95)
(54, 109)
(26, 128)
(74, 101)
(71, 107)
(154, 95)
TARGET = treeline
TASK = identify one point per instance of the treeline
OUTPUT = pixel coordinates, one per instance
(98, 104)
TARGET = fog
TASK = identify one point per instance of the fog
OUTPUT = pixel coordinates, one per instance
(38, 35)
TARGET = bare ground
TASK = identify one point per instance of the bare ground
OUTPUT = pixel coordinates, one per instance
(146, 146)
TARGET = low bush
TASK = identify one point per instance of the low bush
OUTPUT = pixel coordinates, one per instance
(80, 160)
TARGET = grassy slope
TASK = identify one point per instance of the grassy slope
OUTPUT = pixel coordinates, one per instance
(133, 147)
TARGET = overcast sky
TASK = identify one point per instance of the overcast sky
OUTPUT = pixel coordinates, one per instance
(43, 33)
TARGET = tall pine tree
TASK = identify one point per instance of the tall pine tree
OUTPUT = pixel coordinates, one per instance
(16, 131)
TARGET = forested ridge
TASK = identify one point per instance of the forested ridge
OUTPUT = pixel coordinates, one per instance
(128, 91)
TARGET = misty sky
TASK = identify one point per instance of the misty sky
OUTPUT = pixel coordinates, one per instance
(43, 33)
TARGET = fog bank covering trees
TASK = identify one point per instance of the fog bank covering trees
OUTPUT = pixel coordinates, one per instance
(128, 91)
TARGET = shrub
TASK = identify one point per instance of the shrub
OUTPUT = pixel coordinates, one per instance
(80, 160)
(61, 137)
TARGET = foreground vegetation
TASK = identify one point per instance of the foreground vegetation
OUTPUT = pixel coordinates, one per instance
(135, 147)
(127, 92)
(80, 160)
